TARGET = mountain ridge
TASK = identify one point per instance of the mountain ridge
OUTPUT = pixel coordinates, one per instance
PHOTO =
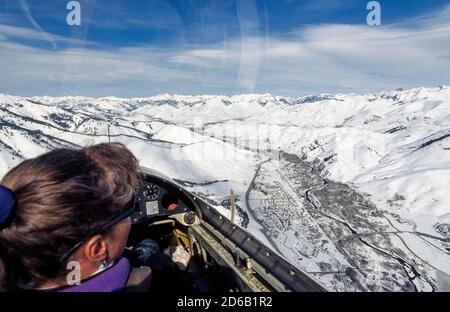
(387, 94)
(387, 150)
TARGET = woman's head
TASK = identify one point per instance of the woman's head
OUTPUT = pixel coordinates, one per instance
(62, 198)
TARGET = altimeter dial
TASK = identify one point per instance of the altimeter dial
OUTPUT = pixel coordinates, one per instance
(151, 192)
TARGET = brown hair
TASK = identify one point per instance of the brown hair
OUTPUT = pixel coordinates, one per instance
(61, 196)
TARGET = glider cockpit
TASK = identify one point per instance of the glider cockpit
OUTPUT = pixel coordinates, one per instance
(219, 255)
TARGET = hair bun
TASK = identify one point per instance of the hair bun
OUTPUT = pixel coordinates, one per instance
(7, 203)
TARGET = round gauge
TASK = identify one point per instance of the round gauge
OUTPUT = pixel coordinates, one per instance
(189, 218)
(150, 191)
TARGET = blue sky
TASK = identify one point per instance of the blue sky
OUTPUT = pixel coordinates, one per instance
(135, 48)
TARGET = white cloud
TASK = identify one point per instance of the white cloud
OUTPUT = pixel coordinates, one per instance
(312, 59)
(14, 32)
(346, 57)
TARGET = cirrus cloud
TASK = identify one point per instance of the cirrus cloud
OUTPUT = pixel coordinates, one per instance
(311, 59)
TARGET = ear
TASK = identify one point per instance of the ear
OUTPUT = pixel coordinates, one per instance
(96, 249)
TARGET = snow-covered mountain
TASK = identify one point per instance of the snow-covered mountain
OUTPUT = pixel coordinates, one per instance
(335, 167)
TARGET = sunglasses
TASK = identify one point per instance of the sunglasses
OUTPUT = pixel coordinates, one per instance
(104, 229)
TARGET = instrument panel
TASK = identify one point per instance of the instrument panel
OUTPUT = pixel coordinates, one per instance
(156, 199)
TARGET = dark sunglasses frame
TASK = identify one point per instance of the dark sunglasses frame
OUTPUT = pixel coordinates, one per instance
(104, 229)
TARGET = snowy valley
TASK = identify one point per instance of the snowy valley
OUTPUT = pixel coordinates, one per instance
(353, 189)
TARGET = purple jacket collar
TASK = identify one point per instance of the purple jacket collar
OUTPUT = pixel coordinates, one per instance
(112, 280)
